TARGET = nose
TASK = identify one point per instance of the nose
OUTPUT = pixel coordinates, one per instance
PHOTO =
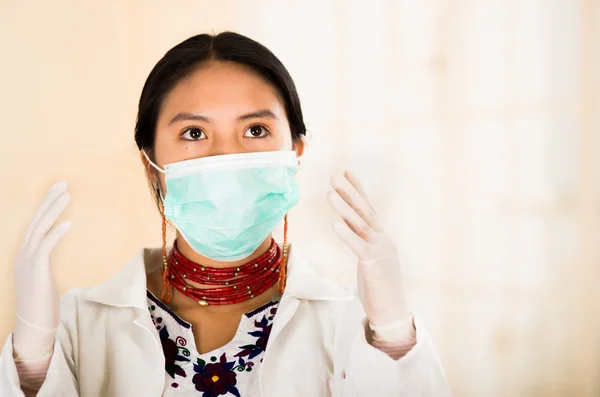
(225, 143)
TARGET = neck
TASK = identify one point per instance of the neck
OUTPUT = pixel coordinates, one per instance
(184, 302)
(187, 251)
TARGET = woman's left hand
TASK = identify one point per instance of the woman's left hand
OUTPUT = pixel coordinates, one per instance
(380, 286)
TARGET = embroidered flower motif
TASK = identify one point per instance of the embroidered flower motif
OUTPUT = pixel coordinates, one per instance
(171, 349)
(215, 379)
(263, 333)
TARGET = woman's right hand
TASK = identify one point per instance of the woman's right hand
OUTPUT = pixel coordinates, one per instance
(38, 306)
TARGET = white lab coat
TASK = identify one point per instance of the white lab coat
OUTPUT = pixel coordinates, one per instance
(107, 345)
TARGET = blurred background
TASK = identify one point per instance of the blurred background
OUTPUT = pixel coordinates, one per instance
(475, 126)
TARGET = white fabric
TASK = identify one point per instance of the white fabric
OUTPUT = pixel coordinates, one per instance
(107, 345)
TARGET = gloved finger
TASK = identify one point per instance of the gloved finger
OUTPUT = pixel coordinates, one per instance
(53, 238)
(353, 179)
(355, 182)
(47, 220)
(55, 191)
(352, 219)
(352, 240)
(352, 196)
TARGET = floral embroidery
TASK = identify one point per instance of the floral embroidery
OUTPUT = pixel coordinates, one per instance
(264, 326)
(171, 349)
(218, 378)
(228, 375)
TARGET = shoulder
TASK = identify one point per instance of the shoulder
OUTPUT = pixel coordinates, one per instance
(72, 297)
(125, 288)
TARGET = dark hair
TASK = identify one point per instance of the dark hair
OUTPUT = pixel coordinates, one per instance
(183, 59)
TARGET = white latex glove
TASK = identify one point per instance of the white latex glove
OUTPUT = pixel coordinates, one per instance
(38, 309)
(380, 286)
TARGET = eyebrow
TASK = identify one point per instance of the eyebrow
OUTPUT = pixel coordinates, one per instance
(198, 117)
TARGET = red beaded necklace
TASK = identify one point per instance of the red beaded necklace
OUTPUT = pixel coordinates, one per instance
(234, 285)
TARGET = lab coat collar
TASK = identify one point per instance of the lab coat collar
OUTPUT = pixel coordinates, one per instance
(127, 288)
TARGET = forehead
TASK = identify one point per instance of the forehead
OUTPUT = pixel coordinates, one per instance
(220, 86)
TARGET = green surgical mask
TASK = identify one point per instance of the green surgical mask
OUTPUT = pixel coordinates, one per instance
(225, 206)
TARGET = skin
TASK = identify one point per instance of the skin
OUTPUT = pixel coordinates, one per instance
(222, 108)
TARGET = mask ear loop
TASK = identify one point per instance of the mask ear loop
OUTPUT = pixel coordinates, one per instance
(166, 294)
(152, 163)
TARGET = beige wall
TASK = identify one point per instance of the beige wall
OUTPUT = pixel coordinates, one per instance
(474, 126)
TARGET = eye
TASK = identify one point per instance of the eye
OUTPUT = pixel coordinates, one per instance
(193, 134)
(256, 131)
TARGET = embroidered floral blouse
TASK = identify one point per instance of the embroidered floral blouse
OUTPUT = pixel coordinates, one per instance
(231, 370)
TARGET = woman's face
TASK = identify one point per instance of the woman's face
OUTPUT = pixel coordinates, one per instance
(222, 108)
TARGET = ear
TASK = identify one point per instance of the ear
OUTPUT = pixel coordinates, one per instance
(299, 144)
(151, 173)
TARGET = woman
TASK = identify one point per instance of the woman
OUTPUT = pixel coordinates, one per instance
(225, 310)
